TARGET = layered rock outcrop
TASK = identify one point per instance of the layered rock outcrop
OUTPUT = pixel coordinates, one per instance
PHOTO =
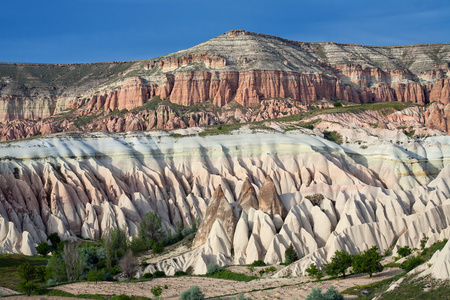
(249, 189)
(237, 66)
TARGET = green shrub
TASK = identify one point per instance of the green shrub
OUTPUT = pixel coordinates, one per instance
(147, 275)
(423, 242)
(158, 247)
(43, 249)
(193, 293)
(180, 273)
(411, 263)
(121, 297)
(96, 275)
(139, 245)
(337, 104)
(212, 269)
(333, 136)
(28, 287)
(225, 274)
(158, 274)
(290, 255)
(404, 251)
(330, 294)
(156, 291)
(258, 263)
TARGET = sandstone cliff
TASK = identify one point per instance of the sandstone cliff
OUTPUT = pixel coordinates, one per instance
(237, 66)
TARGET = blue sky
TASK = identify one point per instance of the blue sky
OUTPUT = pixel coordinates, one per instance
(78, 31)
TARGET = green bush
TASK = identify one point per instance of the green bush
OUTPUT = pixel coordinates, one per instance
(156, 291)
(158, 274)
(404, 251)
(193, 293)
(28, 287)
(121, 297)
(212, 269)
(290, 255)
(180, 273)
(337, 104)
(333, 136)
(26, 272)
(147, 275)
(158, 247)
(225, 274)
(330, 294)
(258, 263)
(43, 249)
(411, 263)
(96, 275)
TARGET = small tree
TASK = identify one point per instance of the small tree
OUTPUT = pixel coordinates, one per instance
(404, 251)
(115, 244)
(96, 275)
(43, 248)
(74, 263)
(194, 293)
(213, 269)
(368, 262)
(128, 265)
(339, 264)
(56, 268)
(290, 255)
(330, 294)
(54, 240)
(150, 227)
(314, 272)
(156, 290)
(158, 247)
(423, 242)
(28, 287)
(27, 272)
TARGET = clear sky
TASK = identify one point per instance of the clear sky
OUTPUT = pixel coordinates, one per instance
(77, 31)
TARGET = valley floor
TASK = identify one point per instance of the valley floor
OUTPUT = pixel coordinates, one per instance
(265, 288)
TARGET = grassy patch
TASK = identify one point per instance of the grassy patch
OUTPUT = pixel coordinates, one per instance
(420, 288)
(427, 253)
(225, 274)
(333, 136)
(59, 293)
(220, 129)
(9, 263)
(369, 291)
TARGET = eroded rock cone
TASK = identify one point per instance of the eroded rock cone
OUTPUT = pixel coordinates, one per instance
(247, 197)
(269, 201)
(218, 209)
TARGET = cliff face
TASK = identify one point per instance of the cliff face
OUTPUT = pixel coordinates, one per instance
(241, 66)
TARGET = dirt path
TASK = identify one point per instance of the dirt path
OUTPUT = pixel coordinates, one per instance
(296, 288)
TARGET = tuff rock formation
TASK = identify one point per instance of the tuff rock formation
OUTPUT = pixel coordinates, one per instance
(251, 190)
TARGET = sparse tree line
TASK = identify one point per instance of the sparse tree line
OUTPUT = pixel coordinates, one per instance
(368, 262)
(113, 255)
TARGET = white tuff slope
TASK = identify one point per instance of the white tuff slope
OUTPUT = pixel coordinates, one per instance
(88, 184)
